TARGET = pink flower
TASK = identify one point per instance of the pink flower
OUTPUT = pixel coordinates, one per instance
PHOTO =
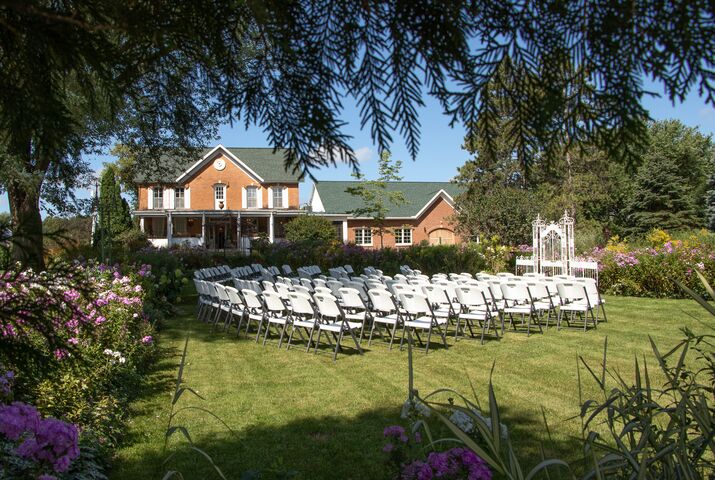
(100, 320)
(61, 353)
(147, 340)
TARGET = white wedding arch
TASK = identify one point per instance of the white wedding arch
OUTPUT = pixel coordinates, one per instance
(554, 251)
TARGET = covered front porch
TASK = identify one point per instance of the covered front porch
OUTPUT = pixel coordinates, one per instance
(213, 230)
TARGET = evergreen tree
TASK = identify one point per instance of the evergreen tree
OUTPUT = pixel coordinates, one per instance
(710, 203)
(660, 199)
(113, 214)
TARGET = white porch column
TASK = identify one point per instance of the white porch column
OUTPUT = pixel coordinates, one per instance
(345, 231)
(238, 232)
(271, 236)
(203, 229)
(169, 229)
(141, 225)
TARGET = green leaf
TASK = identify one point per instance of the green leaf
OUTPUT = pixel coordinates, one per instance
(178, 428)
(548, 463)
(704, 303)
(706, 285)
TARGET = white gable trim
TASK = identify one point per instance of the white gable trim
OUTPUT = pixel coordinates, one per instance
(208, 156)
(316, 204)
(446, 196)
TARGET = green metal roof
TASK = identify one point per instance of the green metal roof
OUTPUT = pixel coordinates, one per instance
(336, 199)
(265, 162)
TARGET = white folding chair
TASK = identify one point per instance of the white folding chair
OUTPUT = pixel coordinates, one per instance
(442, 306)
(302, 316)
(419, 316)
(517, 301)
(354, 308)
(476, 306)
(384, 314)
(277, 315)
(574, 300)
(332, 321)
(541, 299)
(594, 297)
(224, 305)
(254, 310)
(237, 308)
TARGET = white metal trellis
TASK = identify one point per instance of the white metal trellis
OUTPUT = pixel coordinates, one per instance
(554, 251)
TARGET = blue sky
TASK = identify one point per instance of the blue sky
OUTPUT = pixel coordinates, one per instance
(440, 151)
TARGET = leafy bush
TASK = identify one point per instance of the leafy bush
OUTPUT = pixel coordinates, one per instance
(310, 228)
(651, 271)
(78, 339)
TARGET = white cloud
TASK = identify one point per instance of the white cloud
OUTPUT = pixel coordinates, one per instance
(363, 154)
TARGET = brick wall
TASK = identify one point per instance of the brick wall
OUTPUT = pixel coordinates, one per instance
(201, 187)
(434, 221)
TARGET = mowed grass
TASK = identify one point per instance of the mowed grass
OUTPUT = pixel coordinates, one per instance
(292, 411)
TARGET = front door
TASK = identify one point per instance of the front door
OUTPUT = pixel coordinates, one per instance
(441, 236)
(219, 236)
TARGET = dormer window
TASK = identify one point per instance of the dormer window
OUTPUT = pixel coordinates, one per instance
(220, 197)
(251, 197)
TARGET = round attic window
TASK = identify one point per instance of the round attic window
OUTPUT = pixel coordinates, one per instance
(219, 164)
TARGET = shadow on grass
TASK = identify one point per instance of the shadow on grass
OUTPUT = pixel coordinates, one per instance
(318, 447)
(315, 447)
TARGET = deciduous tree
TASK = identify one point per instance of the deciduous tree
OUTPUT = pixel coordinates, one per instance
(158, 74)
(374, 197)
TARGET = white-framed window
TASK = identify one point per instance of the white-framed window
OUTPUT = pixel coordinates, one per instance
(219, 197)
(363, 236)
(179, 197)
(403, 236)
(277, 193)
(158, 198)
(252, 197)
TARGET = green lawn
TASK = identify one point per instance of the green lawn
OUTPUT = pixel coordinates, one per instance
(292, 411)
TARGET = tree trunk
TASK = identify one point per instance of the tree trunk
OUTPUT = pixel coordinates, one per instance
(26, 225)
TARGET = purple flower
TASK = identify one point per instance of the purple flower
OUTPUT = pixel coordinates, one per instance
(46, 477)
(17, 419)
(425, 473)
(393, 431)
(55, 442)
(147, 340)
(388, 448)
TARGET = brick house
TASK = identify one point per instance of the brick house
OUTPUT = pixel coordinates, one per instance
(425, 216)
(230, 196)
(221, 201)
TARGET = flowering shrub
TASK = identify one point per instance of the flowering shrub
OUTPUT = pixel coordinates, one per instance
(469, 257)
(78, 339)
(408, 461)
(651, 271)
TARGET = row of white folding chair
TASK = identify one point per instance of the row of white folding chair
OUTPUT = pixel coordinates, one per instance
(242, 284)
(372, 271)
(221, 272)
